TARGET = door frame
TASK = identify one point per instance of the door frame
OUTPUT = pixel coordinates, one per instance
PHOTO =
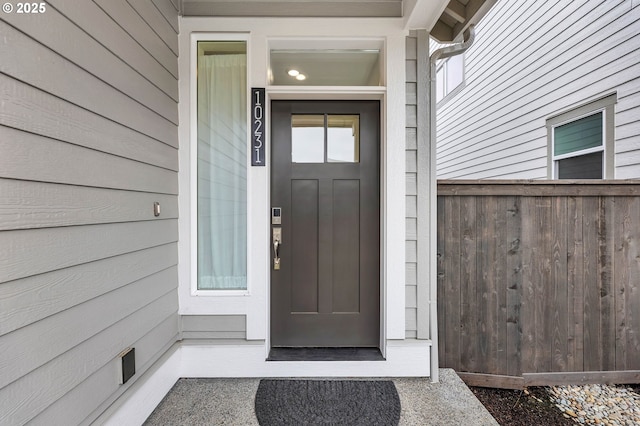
(378, 94)
(254, 304)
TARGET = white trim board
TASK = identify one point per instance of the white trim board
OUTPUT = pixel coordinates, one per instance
(403, 360)
(190, 360)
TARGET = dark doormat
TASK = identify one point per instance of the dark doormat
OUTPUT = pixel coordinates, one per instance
(327, 402)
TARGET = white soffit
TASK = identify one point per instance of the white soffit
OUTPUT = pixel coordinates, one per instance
(446, 20)
(293, 8)
(423, 14)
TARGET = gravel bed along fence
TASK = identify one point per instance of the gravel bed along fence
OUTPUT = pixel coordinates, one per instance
(598, 404)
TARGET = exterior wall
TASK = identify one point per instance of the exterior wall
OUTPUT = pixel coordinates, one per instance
(88, 135)
(546, 61)
(418, 188)
(411, 260)
(214, 327)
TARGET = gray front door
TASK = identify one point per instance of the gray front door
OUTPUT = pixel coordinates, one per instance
(325, 162)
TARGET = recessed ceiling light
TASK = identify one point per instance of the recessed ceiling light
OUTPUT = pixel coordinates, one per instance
(301, 77)
(293, 73)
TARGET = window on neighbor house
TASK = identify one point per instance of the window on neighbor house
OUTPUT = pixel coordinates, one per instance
(581, 142)
(449, 76)
(578, 148)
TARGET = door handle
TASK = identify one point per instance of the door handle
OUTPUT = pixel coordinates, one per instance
(276, 249)
(277, 242)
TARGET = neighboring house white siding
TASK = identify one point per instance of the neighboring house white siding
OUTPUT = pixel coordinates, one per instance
(532, 62)
(88, 143)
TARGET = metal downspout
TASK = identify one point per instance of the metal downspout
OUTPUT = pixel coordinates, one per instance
(441, 53)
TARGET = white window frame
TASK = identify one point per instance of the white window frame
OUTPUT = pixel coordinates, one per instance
(605, 105)
(193, 172)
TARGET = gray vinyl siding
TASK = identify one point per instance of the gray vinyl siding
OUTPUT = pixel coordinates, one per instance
(88, 142)
(411, 265)
(532, 61)
(417, 151)
(214, 327)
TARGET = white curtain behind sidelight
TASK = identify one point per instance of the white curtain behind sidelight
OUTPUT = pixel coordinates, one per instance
(222, 172)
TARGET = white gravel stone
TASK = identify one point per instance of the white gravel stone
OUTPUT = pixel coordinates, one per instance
(612, 405)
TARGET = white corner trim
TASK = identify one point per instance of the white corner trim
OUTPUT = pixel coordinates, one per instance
(404, 358)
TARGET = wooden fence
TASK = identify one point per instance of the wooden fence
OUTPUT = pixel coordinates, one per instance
(539, 281)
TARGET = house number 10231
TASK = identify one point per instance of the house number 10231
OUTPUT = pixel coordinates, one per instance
(257, 127)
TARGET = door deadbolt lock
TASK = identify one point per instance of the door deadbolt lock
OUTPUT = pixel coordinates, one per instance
(277, 242)
(276, 215)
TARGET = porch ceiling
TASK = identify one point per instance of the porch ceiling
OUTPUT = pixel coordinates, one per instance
(446, 19)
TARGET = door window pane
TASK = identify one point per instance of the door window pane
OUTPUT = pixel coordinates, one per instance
(343, 139)
(307, 138)
(222, 165)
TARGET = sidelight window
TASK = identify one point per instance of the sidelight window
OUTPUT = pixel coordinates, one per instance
(222, 165)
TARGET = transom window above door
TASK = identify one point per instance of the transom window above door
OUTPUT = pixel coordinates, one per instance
(326, 62)
(325, 67)
(325, 138)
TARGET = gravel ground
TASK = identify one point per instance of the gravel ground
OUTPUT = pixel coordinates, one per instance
(598, 404)
(563, 405)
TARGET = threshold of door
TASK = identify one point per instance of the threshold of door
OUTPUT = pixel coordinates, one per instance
(325, 354)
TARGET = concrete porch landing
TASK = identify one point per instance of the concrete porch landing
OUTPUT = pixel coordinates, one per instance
(231, 402)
